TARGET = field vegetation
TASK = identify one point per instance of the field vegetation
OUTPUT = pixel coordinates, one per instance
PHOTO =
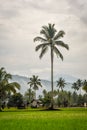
(33, 119)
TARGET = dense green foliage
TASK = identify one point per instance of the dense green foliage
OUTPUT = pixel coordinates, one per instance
(5, 86)
(15, 100)
(32, 119)
(63, 99)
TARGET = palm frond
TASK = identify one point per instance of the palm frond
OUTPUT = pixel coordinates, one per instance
(43, 51)
(45, 33)
(58, 53)
(2, 73)
(39, 39)
(51, 30)
(45, 27)
(59, 35)
(8, 76)
(41, 46)
(48, 31)
(51, 25)
(2, 69)
(31, 85)
(39, 83)
(14, 85)
(9, 87)
(62, 44)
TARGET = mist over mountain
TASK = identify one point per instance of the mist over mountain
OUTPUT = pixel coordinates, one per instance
(23, 80)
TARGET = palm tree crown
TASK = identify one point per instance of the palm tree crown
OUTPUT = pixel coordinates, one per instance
(4, 82)
(75, 86)
(51, 38)
(35, 82)
(61, 83)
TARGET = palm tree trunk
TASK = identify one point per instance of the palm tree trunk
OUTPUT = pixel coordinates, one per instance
(52, 76)
(35, 95)
(80, 90)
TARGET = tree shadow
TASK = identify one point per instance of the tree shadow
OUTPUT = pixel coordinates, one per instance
(31, 110)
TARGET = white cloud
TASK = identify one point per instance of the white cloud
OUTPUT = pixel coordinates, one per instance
(21, 21)
(79, 8)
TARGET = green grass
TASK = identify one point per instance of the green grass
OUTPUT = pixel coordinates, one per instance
(35, 119)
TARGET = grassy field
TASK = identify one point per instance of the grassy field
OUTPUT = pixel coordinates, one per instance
(34, 119)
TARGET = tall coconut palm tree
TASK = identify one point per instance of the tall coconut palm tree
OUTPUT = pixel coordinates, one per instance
(35, 82)
(61, 83)
(51, 38)
(5, 86)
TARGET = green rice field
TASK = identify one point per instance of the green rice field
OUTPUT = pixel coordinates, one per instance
(36, 119)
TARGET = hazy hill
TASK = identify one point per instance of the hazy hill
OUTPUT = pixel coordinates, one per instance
(22, 80)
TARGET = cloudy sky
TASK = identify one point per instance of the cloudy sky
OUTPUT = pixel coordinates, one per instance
(21, 21)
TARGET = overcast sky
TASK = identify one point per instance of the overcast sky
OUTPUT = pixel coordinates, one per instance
(21, 21)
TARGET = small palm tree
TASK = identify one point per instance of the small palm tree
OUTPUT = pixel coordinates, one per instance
(35, 82)
(5, 86)
(61, 83)
(75, 86)
(79, 84)
(52, 39)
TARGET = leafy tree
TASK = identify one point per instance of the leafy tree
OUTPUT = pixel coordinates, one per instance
(5, 86)
(35, 82)
(51, 38)
(69, 95)
(55, 93)
(15, 100)
(44, 92)
(74, 99)
(47, 98)
(62, 99)
(30, 94)
(80, 100)
(61, 83)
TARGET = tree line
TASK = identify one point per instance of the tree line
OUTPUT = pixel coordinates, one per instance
(61, 98)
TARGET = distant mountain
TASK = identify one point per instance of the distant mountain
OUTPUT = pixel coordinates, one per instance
(22, 80)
